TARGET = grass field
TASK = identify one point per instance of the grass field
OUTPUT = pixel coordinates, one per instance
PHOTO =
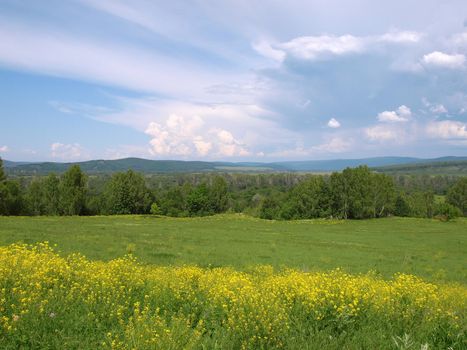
(203, 283)
(434, 250)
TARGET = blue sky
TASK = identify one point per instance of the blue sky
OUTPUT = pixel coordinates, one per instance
(232, 80)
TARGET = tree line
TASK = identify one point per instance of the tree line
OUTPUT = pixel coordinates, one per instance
(354, 193)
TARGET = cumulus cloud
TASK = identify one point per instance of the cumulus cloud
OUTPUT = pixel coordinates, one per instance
(312, 47)
(447, 129)
(381, 133)
(438, 109)
(325, 46)
(126, 151)
(401, 37)
(67, 152)
(264, 48)
(402, 114)
(434, 108)
(4, 149)
(333, 123)
(334, 145)
(187, 136)
(443, 60)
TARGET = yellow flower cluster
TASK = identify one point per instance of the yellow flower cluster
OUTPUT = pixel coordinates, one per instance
(121, 304)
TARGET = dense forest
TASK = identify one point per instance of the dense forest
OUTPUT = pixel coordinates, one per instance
(354, 193)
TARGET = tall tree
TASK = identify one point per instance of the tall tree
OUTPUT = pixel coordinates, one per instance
(35, 198)
(340, 196)
(2, 171)
(173, 203)
(127, 194)
(51, 192)
(351, 193)
(198, 201)
(382, 193)
(218, 195)
(401, 206)
(421, 204)
(73, 191)
(307, 200)
(457, 195)
(11, 201)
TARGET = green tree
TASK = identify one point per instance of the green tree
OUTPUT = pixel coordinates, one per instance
(340, 196)
(270, 208)
(173, 202)
(73, 191)
(198, 201)
(218, 195)
(51, 192)
(421, 204)
(446, 211)
(35, 198)
(2, 171)
(309, 199)
(155, 210)
(127, 193)
(11, 201)
(351, 193)
(382, 193)
(401, 206)
(457, 195)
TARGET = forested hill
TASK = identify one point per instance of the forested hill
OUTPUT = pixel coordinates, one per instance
(444, 165)
(447, 167)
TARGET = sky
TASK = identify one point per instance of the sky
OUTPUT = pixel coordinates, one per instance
(232, 80)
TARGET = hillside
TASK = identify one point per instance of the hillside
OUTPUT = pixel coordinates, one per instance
(444, 165)
(447, 167)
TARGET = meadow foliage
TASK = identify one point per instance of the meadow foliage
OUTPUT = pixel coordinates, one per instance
(52, 302)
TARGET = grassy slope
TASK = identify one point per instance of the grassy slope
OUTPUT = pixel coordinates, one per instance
(431, 249)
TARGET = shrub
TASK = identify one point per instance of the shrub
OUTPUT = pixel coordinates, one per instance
(446, 211)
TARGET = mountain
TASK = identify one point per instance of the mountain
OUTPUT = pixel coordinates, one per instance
(382, 164)
(339, 164)
(444, 166)
(10, 164)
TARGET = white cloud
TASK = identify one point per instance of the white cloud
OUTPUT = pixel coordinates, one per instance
(58, 54)
(459, 39)
(443, 60)
(401, 37)
(68, 152)
(264, 48)
(334, 145)
(438, 109)
(4, 149)
(333, 123)
(381, 133)
(435, 108)
(187, 136)
(324, 46)
(402, 114)
(447, 129)
(313, 47)
(126, 151)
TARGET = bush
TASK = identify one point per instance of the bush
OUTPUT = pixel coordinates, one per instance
(155, 210)
(446, 212)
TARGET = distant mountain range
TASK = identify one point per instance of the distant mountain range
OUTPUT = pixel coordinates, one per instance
(383, 164)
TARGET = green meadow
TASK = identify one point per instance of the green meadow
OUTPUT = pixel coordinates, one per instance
(434, 250)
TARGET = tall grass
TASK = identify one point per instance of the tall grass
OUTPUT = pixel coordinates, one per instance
(53, 302)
